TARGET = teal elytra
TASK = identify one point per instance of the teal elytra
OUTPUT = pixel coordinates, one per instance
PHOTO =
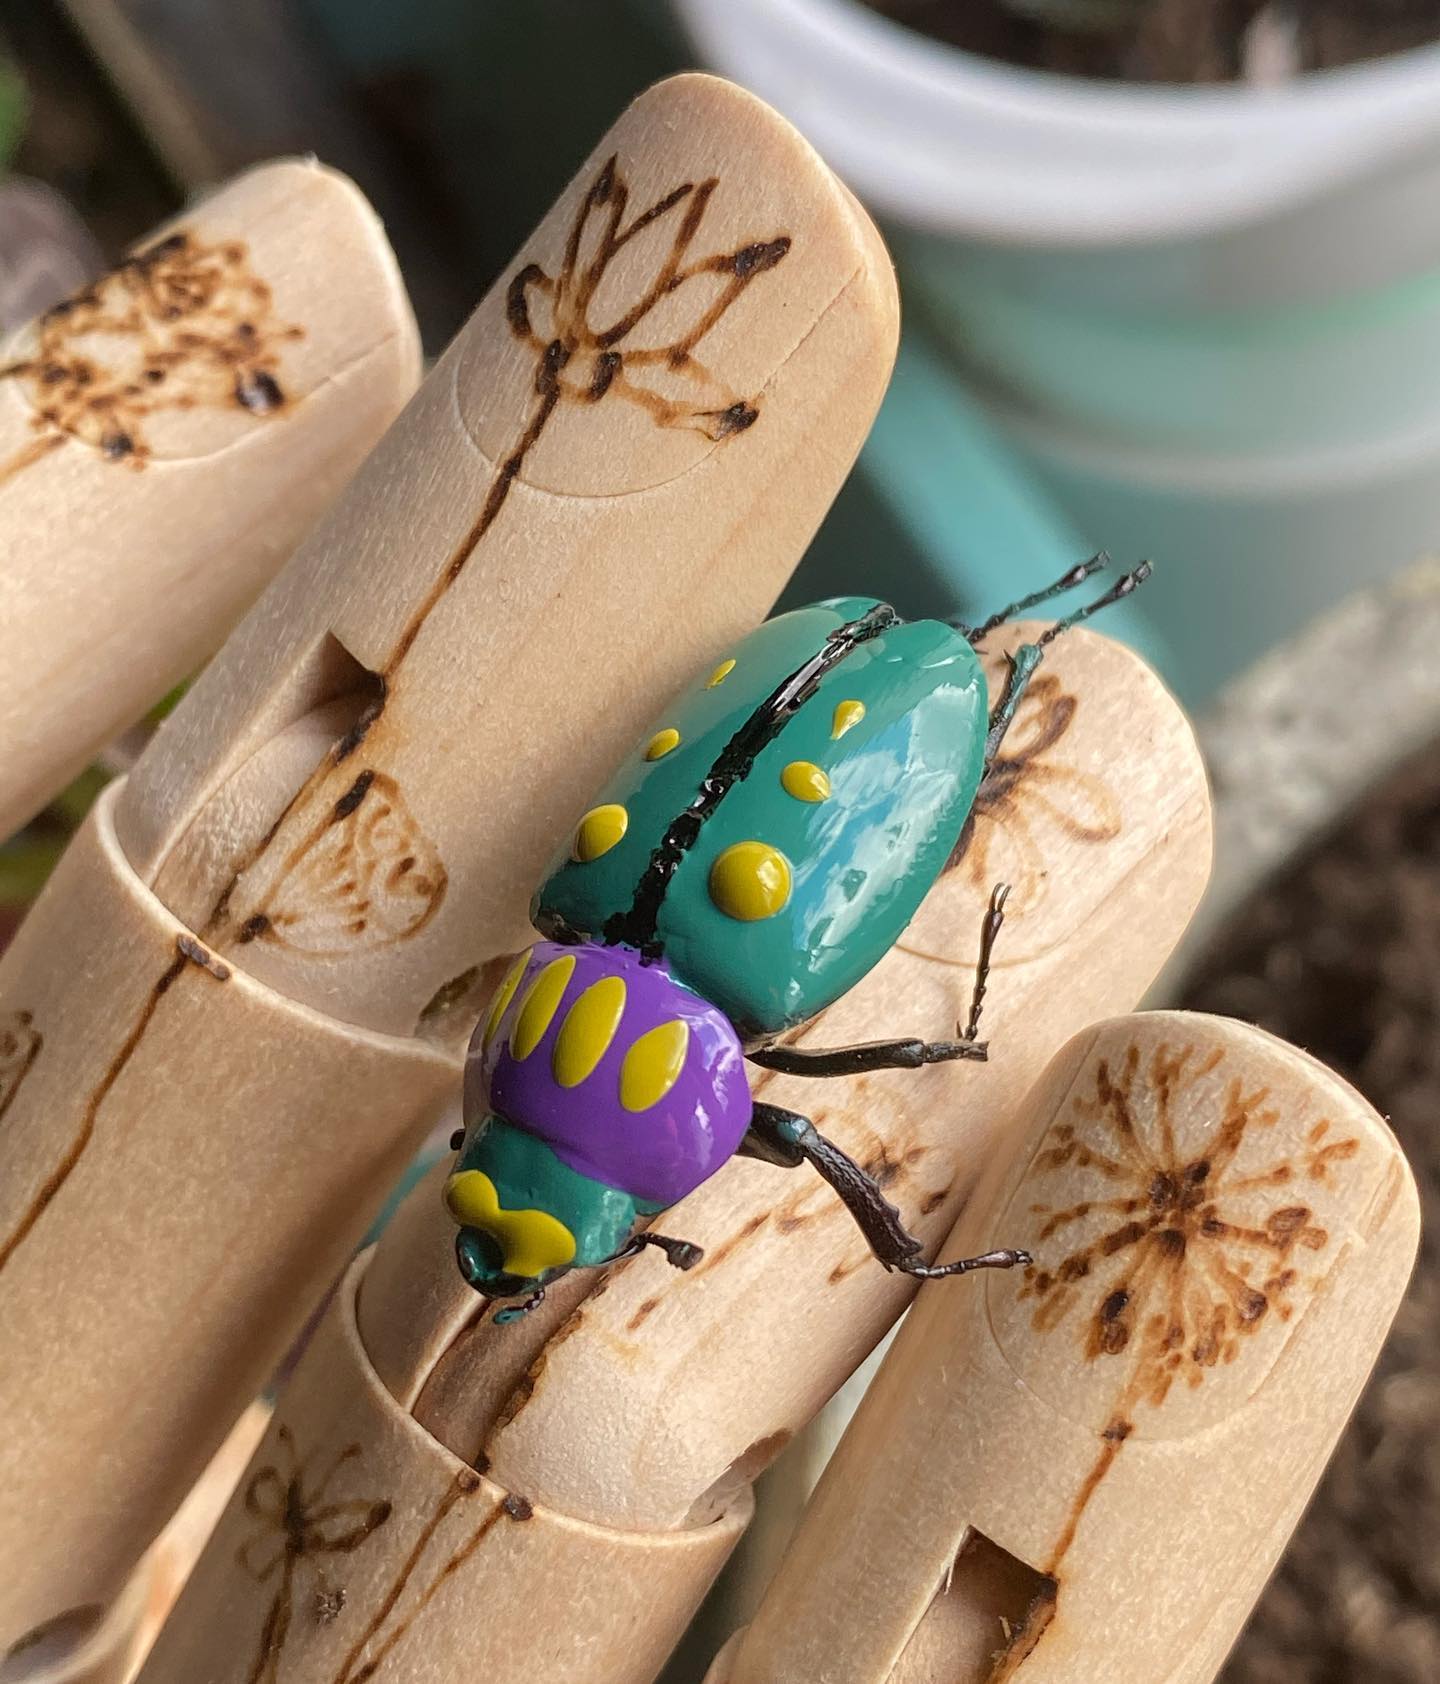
(861, 794)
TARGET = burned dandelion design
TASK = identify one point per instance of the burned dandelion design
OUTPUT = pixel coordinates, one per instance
(1029, 790)
(20, 1044)
(1185, 1251)
(181, 325)
(299, 1528)
(1181, 1251)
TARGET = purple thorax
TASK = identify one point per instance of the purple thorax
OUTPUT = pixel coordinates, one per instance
(659, 1152)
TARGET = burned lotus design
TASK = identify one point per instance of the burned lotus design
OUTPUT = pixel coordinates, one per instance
(1181, 1253)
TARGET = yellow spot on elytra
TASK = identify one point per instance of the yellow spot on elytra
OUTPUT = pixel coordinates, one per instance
(541, 1001)
(846, 715)
(720, 674)
(653, 1065)
(530, 1241)
(805, 781)
(599, 831)
(662, 742)
(588, 1029)
(750, 880)
(503, 996)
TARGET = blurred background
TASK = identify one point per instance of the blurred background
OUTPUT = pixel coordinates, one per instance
(1171, 278)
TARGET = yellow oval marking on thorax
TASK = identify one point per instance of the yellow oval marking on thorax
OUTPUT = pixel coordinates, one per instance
(542, 999)
(750, 880)
(661, 743)
(720, 674)
(587, 1031)
(503, 996)
(805, 781)
(530, 1241)
(599, 831)
(846, 715)
(653, 1065)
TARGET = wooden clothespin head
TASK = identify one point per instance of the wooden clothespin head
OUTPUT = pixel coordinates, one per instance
(1090, 1472)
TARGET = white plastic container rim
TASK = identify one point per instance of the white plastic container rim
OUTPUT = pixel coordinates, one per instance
(955, 144)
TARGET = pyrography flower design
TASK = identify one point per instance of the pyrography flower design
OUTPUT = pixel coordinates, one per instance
(368, 878)
(1029, 790)
(20, 1043)
(298, 1526)
(1181, 1253)
(586, 354)
(179, 325)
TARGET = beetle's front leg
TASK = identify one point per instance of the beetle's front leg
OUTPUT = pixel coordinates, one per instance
(679, 1254)
(786, 1138)
(517, 1312)
(1022, 662)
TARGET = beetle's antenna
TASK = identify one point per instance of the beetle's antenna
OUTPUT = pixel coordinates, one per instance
(1077, 575)
(994, 918)
(1124, 586)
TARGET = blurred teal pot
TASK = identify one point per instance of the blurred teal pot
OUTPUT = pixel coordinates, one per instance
(1204, 318)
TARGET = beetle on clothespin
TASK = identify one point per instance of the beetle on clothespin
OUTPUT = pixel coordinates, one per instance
(748, 865)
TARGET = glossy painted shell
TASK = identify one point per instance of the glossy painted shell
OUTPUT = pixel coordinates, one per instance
(813, 862)
(630, 1078)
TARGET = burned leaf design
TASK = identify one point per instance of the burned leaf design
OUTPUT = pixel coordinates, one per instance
(20, 1044)
(181, 325)
(368, 878)
(299, 1526)
(1030, 796)
(1182, 1253)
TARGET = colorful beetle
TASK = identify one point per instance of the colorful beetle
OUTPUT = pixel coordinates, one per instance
(752, 860)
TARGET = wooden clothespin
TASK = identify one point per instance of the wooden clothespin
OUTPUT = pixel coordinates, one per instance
(552, 1498)
(1090, 1473)
(239, 1005)
(167, 437)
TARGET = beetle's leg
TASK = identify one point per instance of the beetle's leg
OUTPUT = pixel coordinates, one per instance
(789, 1135)
(1076, 575)
(514, 1312)
(1022, 661)
(679, 1254)
(989, 930)
(911, 1052)
(908, 1054)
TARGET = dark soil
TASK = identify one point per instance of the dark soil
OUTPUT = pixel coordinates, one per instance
(1342, 956)
(1175, 40)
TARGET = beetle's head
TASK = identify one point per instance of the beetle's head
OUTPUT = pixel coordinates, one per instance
(506, 1246)
(482, 1266)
